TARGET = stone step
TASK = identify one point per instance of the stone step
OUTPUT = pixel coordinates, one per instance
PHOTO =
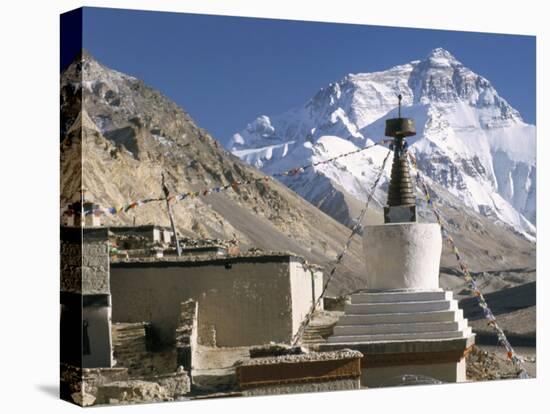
(396, 296)
(313, 341)
(389, 318)
(396, 328)
(316, 332)
(320, 331)
(400, 337)
(312, 338)
(400, 307)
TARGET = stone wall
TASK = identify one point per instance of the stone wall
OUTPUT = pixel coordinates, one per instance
(304, 282)
(186, 334)
(130, 347)
(85, 297)
(240, 303)
(71, 259)
(95, 262)
(116, 386)
(303, 372)
(150, 232)
(84, 260)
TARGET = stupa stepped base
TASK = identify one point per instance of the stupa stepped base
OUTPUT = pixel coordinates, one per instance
(405, 332)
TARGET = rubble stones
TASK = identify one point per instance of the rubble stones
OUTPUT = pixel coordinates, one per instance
(187, 242)
(131, 242)
(273, 349)
(482, 366)
(165, 387)
(115, 386)
(92, 378)
(83, 399)
(304, 357)
(132, 391)
(176, 384)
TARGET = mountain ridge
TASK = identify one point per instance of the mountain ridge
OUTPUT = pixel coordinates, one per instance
(469, 139)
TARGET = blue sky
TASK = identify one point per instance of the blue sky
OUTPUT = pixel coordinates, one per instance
(225, 71)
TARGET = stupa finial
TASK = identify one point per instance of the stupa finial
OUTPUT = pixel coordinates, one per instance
(401, 205)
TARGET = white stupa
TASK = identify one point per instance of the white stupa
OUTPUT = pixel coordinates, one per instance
(403, 322)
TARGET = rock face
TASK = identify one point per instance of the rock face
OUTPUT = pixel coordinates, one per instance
(469, 140)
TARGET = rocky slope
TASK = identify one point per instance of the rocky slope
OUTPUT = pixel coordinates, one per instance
(469, 141)
(127, 134)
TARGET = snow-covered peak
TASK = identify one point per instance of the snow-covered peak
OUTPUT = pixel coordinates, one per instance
(442, 79)
(345, 107)
(469, 139)
(86, 72)
(440, 57)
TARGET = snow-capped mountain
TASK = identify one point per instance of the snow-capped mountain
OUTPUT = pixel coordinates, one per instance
(469, 140)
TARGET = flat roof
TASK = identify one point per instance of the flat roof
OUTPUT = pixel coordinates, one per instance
(305, 357)
(214, 259)
(205, 248)
(142, 227)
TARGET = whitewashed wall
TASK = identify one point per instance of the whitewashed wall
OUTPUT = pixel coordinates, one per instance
(246, 304)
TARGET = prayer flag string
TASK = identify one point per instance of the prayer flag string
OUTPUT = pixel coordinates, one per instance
(125, 208)
(355, 229)
(470, 280)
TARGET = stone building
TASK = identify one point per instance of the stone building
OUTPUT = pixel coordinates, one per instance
(150, 232)
(85, 298)
(123, 305)
(82, 213)
(244, 300)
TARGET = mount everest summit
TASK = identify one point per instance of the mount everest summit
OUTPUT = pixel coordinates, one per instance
(474, 148)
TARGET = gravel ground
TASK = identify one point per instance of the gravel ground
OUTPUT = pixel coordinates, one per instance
(486, 363)
(529, 355)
